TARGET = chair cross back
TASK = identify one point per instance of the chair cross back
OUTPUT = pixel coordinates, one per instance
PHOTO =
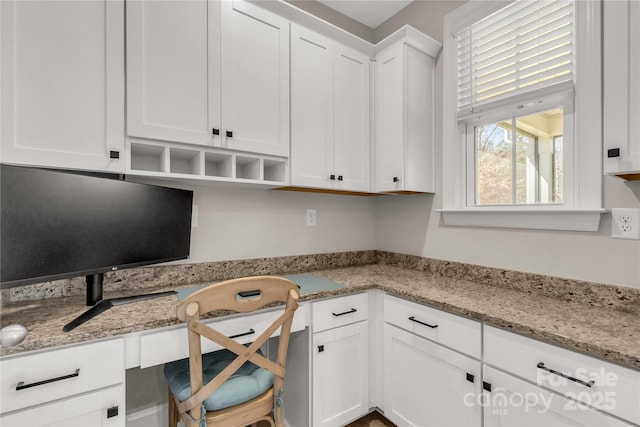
(263, 291)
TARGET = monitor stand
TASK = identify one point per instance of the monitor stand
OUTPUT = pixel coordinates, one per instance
(94, 298)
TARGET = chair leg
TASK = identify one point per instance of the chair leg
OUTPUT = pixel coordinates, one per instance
(174, 415)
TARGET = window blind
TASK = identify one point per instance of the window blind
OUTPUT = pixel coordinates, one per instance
(522, 51)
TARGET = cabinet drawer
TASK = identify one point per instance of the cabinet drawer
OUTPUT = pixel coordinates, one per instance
(597, 383)
(171, 344)
(340, 311)
(447, 329)
(73, 370)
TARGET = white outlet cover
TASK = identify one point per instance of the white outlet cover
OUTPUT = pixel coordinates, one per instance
(625, 223)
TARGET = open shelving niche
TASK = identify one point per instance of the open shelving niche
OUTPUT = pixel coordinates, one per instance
(167, 160)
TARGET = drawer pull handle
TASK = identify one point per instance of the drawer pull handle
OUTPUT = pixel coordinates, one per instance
(570, 378)
(21, 385)
(353, 310)
(244, 334)
(413, 319)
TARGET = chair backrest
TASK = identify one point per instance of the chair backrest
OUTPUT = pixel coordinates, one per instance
(239, 295)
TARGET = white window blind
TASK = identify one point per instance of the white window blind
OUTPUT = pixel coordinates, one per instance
(521, 52)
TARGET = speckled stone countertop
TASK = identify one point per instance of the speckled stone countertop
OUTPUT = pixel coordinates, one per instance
(595, 329)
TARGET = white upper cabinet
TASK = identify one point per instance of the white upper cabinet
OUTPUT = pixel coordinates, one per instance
(404, 117)
(169, 45)
(622, 89)
(255, 79)
(62, 84)
(210, 73)
(329, 113)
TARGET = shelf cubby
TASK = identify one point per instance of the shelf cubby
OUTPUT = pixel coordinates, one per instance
(148, 157)
(248, 168)
(274, 170)
(218, 165)
(185, 161)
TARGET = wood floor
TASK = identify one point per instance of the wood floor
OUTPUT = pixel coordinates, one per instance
(374, 419)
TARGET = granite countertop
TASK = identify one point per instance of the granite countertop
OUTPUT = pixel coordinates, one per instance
(606, 333)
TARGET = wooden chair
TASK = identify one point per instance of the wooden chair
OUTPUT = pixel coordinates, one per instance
(190, 406)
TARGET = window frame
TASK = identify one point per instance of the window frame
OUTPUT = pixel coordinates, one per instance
(583, 184)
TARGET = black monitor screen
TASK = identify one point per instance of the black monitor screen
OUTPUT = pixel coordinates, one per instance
(56, 224)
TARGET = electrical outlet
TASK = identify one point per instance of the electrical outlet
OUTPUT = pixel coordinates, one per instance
(311, 217)
(625, 223)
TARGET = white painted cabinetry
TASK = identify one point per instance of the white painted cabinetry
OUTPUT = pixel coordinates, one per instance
(509, 401)
(81, 385)
(330, 145)
(404, 113)
(426, 383)
(210, 73)
(340, 360)
(62, 84)
(622, 88)
(593, 383)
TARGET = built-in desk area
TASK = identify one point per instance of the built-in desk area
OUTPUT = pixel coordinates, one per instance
(384, 297)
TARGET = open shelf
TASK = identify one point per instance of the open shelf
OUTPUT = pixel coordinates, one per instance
(274, 170)
(248, 168)
(147, 157)
(164, 159)
(185, 161)
(218, 164)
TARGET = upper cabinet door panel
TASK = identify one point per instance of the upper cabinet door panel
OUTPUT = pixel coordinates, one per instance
(352, 120)
(255, 79)
(311, 108)
(390, 124)
(167, 70)
(62, 83)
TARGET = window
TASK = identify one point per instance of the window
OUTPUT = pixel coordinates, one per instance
(522, 129)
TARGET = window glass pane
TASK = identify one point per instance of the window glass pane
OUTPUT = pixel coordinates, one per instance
(528, 171)
(494, 164)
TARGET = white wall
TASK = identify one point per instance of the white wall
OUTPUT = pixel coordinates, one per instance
(246, 223)
(408, 224)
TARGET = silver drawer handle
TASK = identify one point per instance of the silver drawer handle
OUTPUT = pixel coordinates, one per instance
(570, 378)
(413, 319)
(353, 310)
(21, 385)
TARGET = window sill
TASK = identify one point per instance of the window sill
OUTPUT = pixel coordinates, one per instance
(534, 219)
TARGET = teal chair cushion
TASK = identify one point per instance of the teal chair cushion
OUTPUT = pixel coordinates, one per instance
(246, 383)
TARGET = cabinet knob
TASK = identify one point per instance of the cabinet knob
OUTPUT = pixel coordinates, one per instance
(396, 179)
(215, 131)
(339, 177)
(320, 348)
(470, 377)
(486, 386)
(613, 152)
(113, 154)
(332, 177)
(229, 134)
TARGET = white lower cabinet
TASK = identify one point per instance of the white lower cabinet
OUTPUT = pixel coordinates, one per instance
(509, 401)
(340, 362)
(426, 384)
(80, 386)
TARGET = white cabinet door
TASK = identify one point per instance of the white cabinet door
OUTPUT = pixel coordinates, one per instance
(171, 47)
(330, 143)
(426, 384)
(622, 88)
(340, 374)
(389, 141)
(103, 408)
(62, 84)
(311, 109)
(255, 79)
(404, 143)
(351, 120)
(509, 401)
